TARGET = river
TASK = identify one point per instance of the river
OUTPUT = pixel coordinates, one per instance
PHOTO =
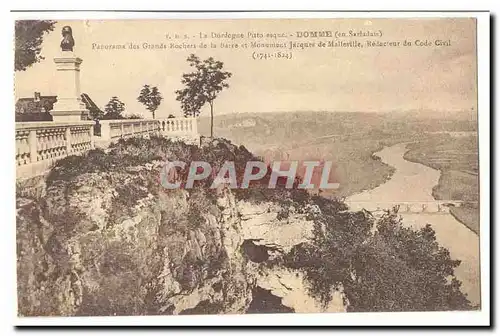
(414, 182)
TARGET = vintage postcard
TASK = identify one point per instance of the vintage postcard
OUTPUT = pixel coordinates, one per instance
(247, 166)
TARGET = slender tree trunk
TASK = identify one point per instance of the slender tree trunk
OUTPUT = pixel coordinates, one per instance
(154, 114)
(211, 119)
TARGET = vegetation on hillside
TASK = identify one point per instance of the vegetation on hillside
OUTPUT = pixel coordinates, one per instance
(391, 268)
(131, 152)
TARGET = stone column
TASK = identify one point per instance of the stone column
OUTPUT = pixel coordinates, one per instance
(69, 105)
(105, 130)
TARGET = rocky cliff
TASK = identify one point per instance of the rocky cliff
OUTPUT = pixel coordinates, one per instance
(103, 244)
(105, 238)
(115, 243)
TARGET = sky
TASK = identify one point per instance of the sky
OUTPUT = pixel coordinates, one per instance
(377, 79)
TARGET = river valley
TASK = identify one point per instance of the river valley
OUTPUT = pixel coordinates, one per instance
(414, 182)
(411, 182)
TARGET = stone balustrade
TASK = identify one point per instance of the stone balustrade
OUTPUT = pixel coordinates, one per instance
(182, 127)
(112, 130)
(40, 144)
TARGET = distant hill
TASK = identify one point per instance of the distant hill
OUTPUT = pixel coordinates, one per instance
(282, 128)
(259, 131)
(470, 115)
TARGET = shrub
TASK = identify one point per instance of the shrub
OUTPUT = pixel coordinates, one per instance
(68, 168)
(392, 268)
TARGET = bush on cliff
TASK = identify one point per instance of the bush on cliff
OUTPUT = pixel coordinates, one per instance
(120, 155)
(392, 268)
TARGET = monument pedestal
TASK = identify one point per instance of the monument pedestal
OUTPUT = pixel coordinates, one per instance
(69, 106)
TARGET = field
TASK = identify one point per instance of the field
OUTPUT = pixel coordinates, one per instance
(457, 158)
(445, 151)
(354, 167)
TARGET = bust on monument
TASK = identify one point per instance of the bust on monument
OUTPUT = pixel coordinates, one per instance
(69, 106)
(67, 42)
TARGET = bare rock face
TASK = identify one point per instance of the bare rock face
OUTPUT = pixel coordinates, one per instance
(264, 233)
(115, 244)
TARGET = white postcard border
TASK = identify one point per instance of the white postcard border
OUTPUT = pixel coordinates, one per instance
(356, 319)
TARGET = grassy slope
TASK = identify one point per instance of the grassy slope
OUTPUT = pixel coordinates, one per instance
(457, 159)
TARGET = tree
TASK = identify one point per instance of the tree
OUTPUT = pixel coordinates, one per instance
(151, 98)
(95, 113)
(202, 86)
(392, 268)
(29, 37)
(114, 109)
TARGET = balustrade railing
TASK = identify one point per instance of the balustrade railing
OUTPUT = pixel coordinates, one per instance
(112, 130)
(180, 126)
(40, 144)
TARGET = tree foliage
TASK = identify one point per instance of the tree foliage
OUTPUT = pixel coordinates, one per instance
(202, 86)
(392, 268)
(29, 37)
(151, 98)
(114, 109)
(95, 113)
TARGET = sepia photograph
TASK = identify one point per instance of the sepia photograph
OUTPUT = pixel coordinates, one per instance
(247, 166)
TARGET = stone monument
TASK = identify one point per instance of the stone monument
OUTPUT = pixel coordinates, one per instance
(69, 105)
